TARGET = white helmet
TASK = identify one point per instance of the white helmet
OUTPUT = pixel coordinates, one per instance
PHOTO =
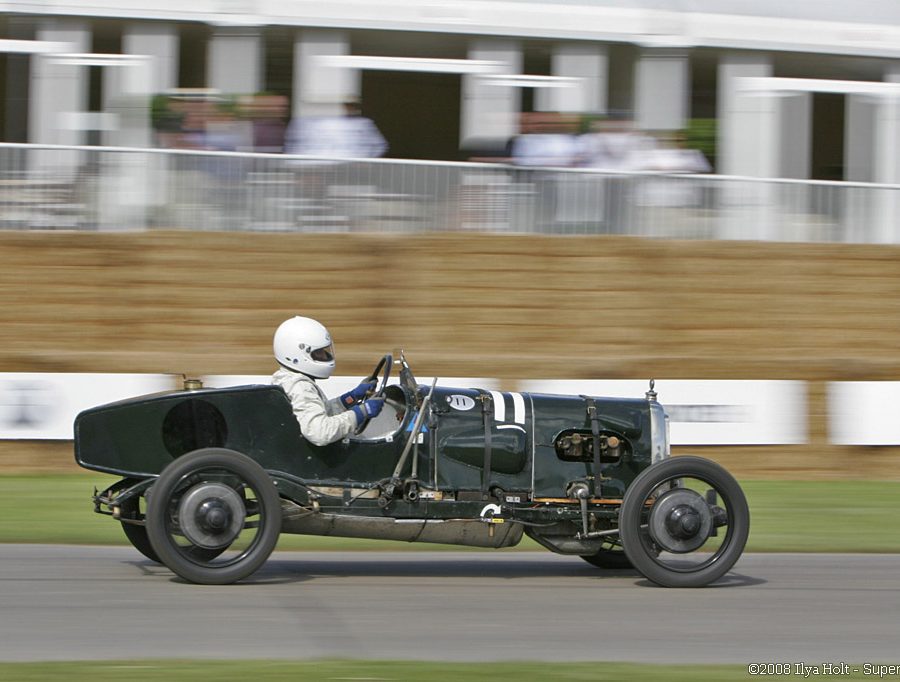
(303, 345)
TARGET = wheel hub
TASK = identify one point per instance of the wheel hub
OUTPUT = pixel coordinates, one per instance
(683, 522)
(214, 517)
(680, 521)
(211, 515)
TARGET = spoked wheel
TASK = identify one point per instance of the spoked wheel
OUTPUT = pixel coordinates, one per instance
(213, 516)
(684, 522)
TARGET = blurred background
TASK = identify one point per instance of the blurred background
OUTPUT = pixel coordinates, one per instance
(618, 189)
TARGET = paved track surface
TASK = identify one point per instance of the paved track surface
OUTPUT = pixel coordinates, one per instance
(67, 603)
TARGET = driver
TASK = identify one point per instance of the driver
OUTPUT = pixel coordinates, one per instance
(303, 349)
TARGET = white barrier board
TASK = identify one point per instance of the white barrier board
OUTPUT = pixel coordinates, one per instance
(864, 412)
(43, 405)
(709, 412)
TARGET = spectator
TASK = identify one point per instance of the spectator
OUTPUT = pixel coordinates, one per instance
(669, 158)
(546, 140)
(351, 136)
(673, 156)
(613, 145)
(266, 115)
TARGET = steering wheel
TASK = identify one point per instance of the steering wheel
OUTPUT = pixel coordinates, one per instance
(384, 369)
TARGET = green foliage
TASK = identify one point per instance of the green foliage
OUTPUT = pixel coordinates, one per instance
(701, 134)
(162, 117)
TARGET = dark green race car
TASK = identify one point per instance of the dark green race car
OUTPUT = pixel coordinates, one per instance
(211, 476)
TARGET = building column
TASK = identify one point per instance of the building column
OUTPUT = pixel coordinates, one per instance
(58, 92)
(887, 162)
(859, 165)
(747, 130)
(887, 134)
(235, 60)
(133, 182)
(489, 113)
(159, 41)
(795, 148)
(662, 90)
(747, 145)
(129, 87)
(859, 138)
(320, 90)
(587, 62)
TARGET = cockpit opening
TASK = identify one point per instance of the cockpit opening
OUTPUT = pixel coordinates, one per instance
(391, 419)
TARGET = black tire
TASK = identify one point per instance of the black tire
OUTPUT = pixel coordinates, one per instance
(137, 534)
(217, 469)
(645, 554)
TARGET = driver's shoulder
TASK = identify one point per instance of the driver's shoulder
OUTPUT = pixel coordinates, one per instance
(291, 381)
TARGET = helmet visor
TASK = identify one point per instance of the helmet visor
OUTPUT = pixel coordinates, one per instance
(325, 354)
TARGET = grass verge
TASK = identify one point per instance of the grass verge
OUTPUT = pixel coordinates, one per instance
(787, 516)
(400, 671)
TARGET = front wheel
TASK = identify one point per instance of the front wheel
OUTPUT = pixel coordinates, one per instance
(684, 522)
(213, 516)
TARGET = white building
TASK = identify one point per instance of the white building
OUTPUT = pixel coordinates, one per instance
(445, 78)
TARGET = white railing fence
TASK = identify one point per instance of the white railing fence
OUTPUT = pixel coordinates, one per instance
(107, 188)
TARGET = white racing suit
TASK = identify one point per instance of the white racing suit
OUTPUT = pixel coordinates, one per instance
(322, 421)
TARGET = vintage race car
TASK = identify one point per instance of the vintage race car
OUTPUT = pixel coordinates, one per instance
(211, 476)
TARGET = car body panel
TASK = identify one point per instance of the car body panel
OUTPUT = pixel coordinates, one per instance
(140, 437)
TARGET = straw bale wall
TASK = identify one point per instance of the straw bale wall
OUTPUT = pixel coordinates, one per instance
(506, 306)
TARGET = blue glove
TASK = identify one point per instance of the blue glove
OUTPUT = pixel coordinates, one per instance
(367, 410)
(357, 394)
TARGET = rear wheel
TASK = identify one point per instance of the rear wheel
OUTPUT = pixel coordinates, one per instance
(684, 522)
(136, 533)
(213, 516)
